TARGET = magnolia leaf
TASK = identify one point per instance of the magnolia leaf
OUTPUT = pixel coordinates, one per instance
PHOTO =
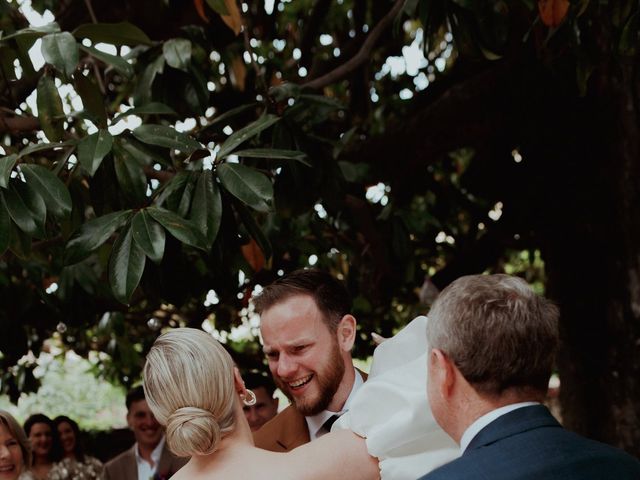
(92, 99)
(149, 235)
(177, 53)
(164, 136)
(182, 229)
(92, 234)
(123, 33)
(218, 6)
(231, 113)
(33, 33)
(61, 51)
(254, 230)
(35, 204)
(6, 166)
(234, 19)
(92, 149)
(244, 134)
(155, 108)
(246, 184)
(274, 153)
(253, 254)
(50, 188)
(119, 63)
(206, 208)
(126, 265)
(130, 174)
(143, 87)
(5, 226)
(36, 147)
(50, 112)
(19, 212)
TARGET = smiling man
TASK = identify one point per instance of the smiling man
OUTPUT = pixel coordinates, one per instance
(307, 334)
(149, 457)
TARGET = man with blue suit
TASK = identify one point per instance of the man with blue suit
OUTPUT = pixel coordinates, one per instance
(492, 342)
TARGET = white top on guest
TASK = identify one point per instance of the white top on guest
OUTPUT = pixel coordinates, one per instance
(145, 469)
(315, 422)
(486, 419)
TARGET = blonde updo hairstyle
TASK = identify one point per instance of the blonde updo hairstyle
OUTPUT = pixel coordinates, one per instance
(189, 386)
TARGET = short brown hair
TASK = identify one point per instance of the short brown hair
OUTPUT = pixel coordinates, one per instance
(17, 432)
(330, 295)
(497, 331)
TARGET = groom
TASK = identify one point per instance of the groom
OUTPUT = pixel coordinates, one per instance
(492, 342)
(307, 334)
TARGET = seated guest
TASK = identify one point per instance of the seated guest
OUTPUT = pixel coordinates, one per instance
(149, 457)
(492, 342)
(266, 406)
(44, 445)
(75, 464)
(15, 451)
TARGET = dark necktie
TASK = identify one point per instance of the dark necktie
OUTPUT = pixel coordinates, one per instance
(329, 422)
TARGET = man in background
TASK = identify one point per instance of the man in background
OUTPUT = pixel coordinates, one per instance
(266, 406)
(492, 342)
(149, 456)
(307, 333)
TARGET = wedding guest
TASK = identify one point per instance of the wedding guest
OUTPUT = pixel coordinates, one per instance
(266, 406)
(492, 342)
(149, 457)
(307, 332)
(45, 446)
(75, 464)
(15, 450)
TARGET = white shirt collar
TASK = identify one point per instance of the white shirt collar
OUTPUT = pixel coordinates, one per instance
(315, 422)
(145, 470)
(486, 419)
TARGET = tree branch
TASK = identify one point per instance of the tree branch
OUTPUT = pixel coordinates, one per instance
(15, 125)
(359, 58)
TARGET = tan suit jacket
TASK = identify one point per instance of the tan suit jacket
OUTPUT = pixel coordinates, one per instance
(124, 466)
(285, 431)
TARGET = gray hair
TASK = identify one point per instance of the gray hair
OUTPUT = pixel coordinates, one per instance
(189, 386)
(497, 331)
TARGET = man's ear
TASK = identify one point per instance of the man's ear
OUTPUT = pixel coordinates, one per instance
(346, 332)
(443, 370)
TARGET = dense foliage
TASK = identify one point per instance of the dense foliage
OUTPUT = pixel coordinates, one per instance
(169, 157)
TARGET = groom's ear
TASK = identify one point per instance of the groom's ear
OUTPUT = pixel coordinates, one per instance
(443, 371)
(346, 332)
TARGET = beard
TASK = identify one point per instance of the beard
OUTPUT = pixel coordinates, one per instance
(329, 377)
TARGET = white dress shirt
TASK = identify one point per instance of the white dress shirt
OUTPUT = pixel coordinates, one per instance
(486, 419)
(315, 422)
(146, 471)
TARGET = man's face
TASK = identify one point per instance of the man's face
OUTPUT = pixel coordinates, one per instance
(146, 428)
(265, 409)
(304, 357)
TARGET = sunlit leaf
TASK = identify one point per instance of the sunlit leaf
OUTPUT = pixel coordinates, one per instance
(206, 208)
(123, 33)
(6, 166)
(184, 230)
(50, 112)
(126, 265)
(119, 63)
(244, 134)
(164, 136)
(92, 234)
(177, 53)
(92, 149)
(246, 184)
(50, 188)
(149, 235)
(61, 51)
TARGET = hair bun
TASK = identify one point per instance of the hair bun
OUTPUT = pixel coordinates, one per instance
(192, 431)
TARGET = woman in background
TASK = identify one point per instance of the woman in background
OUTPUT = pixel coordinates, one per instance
(75, 464)
(15, 452)
(44, 445)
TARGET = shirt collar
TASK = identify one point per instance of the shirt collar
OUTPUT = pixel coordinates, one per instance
(155, 454)
(315, 422)
(486, 419)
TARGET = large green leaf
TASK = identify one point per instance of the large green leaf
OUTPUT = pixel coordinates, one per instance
(37, 147)
(6, 165)
(156, 108)
(119, 63)
(244, 134)
(33, 33)
(246, 184)
(274, 153)
(92, 99)
(130, 174)
(177, 53)
(123, 33)
(143, 153)
(50, 112)
(126, 265)
(254, 230)
(206, 208)
(92, 234)
(35, 204)
(92, 149)
(175, 184)
(182, 229)
(144, 86)
(61, 51)
(149, 235)
(50, 188)
(164, 136)
(19, 212)
(5, 226)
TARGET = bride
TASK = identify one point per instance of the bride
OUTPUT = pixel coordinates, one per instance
(194, 389)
